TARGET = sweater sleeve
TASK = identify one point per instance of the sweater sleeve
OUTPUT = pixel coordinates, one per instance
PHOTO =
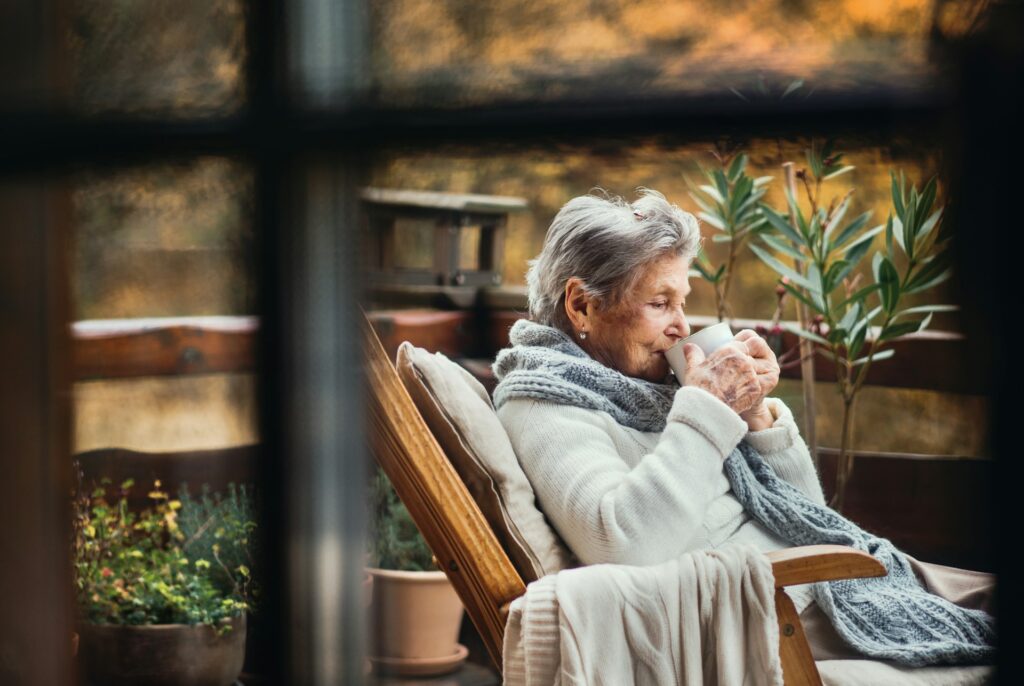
(609, 512)
(785, 451)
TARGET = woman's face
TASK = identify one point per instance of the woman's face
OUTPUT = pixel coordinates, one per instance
(633, 336)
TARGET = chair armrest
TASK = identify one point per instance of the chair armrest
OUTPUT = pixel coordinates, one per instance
(810, 563)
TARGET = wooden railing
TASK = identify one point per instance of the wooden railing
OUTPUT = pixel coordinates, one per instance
(928, 505)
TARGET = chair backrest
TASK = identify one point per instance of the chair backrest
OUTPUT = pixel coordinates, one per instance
(459, 413)
(440, 504)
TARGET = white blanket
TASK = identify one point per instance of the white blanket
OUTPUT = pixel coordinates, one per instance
(707, 617)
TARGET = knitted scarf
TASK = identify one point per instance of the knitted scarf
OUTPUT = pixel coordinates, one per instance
(892, 617)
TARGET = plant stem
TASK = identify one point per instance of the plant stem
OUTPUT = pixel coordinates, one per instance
(806, 346)
(844, 465)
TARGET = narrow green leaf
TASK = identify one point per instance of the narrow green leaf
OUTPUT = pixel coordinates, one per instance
(910, 225)
(890, 280)
(897, 232)
(934, 282)
(781, 224)
(896, 330)
(876, 263)
(850, 230)
(781, 268)
(792, 87)
(836, 271)
(837, 218)
(739, 194)
(810, 335)
(715, 221)
(921, 309)
(800, 296)
(932, 268)
(737, 166)
(927, 198)
(850, 318)
(867, 237)
(713, 192)
(856, 341)
(721, 238)
(897, 195)
(796, 214)
(925, 322)
(860, 247)
(718, 274)
(881, 355)
(762, 180)
(925, 237)
(721, 183)
(888, 234)
(703, 204)
(838, 172)
(861, 294)
(781, 246)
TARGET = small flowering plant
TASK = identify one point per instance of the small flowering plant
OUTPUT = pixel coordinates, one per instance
(179, 561)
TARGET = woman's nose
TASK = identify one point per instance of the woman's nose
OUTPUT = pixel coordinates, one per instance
(680, 325)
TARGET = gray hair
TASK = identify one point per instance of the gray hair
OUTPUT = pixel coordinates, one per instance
(606, 242)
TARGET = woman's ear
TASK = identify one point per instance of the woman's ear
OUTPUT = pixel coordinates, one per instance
(577, 304)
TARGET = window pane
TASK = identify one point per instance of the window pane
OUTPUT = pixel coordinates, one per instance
(172, 58)
(456, 52)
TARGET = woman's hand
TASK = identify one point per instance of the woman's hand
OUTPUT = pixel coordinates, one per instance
(729, 374)
(767, 368)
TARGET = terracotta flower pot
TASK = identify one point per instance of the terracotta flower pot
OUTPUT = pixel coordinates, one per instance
(416, 618)
(161, 654)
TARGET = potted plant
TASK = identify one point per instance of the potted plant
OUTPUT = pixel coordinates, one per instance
(163, 593)
(415, 612)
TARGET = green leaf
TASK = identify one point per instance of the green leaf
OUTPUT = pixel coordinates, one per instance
(737, 166)
(800, 296)
(850, 318)
(857, 337)
(739, 194)
(796, 214)
(781, 246)
(713, 192)
(718, 274)
(881, 355)
(934, 282)
(895, 330)
(721, 183)
(817, 291)
(862, 325)
(932, 268)
(921, 309)
(897, 232)
(852, 228)
(927, 198)
(890, 280)
(713, 220)
(721, 238)
(925, 322)
(838, 172)
(860, 295)
(781, 268)
(925, 237)
(910, 225)
(836, 271)
(704, 204)
(781, 224)
(803, 333)
(865, 240)
(897, 195)
(791, 87)
(762, 180)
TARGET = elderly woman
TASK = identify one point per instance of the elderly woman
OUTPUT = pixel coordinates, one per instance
(626, 463)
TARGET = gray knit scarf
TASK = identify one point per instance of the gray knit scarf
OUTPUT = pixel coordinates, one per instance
(892, 617)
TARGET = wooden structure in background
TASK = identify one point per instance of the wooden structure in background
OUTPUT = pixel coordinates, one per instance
(464, 241)
(469, 552)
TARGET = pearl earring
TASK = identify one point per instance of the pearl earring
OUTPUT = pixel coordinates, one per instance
(583, 334)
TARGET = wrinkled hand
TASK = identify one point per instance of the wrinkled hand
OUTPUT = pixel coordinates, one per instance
(766, 366)
(729, 374)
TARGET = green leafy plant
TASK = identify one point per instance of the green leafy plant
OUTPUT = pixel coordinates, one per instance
(179, 561)
(826, 249)
(395, 542)
(729, 203)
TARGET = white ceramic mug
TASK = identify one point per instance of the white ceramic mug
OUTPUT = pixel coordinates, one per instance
(709, 339)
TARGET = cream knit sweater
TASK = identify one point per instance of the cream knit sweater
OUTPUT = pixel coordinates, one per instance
(619, 495)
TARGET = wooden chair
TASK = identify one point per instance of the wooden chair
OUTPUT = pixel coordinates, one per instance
(469, 552)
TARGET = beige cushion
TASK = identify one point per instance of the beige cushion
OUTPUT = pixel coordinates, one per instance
(460, 414)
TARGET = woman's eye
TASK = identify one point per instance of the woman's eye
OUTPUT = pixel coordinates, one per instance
(659, 305)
